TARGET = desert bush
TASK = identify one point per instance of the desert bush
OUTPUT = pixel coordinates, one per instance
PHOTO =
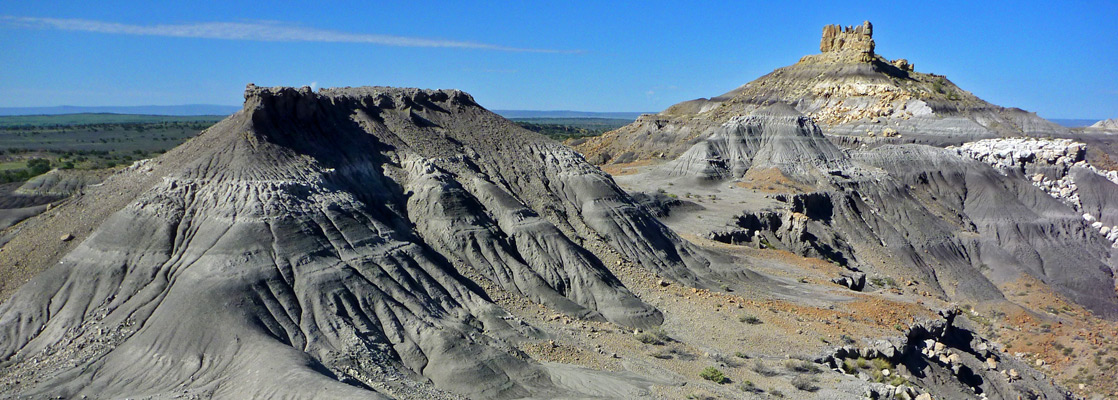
(749, 387)
(749, 319)
(727, 361)
(714, 375)
(763, 370)
(674, 352)
(804, 383)
(881, 363)
(648, 338)
(654, 337)
(801, 366)
(873, 368)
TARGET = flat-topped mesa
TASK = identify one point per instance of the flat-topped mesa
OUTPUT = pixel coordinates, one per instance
(378, 96)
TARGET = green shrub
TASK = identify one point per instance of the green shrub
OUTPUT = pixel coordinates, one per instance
(714, 375)
(938, 85)
(872, 367)
(881, 363)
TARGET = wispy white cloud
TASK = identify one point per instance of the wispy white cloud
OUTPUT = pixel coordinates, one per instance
(251, 31)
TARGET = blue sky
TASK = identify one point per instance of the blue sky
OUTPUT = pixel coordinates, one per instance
(1057, 59)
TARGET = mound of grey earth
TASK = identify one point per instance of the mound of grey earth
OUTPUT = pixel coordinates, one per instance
(60, 182)
(841, 157)
(17, 205)
(777, 137)
(926, 213)
(890, 199)
(1106, 124)
(344, 243)
(915, 214)
(849, 91)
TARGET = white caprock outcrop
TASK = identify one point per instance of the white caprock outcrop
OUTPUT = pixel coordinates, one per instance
(1047, 163)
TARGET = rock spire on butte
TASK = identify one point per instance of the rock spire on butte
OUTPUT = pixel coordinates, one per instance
(852, 44)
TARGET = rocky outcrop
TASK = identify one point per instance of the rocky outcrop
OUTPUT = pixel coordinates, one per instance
(1024, 154)
(850, 44)
(903, 65)
(855, 281)
(1054, 165)
(944, 357)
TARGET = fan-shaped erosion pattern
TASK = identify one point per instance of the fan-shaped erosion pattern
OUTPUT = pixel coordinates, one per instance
(328, 245)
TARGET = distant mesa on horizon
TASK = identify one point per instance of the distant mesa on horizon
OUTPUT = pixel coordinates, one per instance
(512, 114)
(175, 110)
(1075, 122)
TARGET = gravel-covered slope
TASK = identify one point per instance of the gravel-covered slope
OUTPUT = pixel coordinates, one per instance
(328, 245)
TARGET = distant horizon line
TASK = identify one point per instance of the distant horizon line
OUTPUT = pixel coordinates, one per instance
(10, 111)
(4, 110)
(238, 106)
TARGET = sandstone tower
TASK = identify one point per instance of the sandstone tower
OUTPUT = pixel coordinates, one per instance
(850, 43)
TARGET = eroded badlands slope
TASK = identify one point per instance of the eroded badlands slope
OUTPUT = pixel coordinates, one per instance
(321, 245)
(909, 185)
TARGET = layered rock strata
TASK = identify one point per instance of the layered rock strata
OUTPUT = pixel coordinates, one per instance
(1055, 165)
